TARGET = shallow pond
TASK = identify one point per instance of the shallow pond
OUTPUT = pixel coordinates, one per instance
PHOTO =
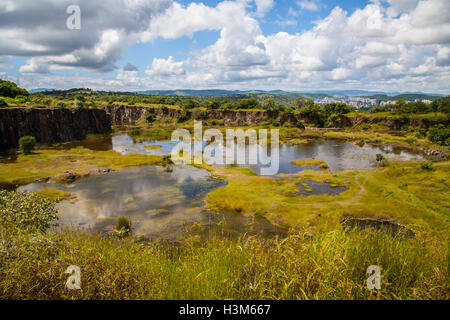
(313, 188)
(160, 204)
(338, 155)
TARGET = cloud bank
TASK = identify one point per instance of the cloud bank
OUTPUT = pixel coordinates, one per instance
(386, 45)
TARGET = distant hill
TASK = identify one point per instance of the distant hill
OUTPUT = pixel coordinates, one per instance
(280, 96)
(40, 90)
(210, 92)
(293, 94)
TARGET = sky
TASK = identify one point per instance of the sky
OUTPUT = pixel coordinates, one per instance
(303, 45)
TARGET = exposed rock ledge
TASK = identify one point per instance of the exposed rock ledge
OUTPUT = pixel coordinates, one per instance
(50, 125)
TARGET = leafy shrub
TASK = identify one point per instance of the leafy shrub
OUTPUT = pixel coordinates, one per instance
(216, 122)
(381, 160)
(150, 117)
(275, 123)
(79, 105)
(427, 166)
(300, 125)
(421, 133)
(123, 226)
(80, 97)
(203, 115)
(135, 132)
(3, 103)
(411, 141)
(27, 144)
(189, 104)
(182, 118)
(439, 134)
(29, 211)
(380, 157)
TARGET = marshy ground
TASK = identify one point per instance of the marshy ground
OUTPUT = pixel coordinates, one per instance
(316, 258)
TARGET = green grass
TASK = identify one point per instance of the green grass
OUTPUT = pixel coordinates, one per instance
(47, 163)
(329, 265)
(310, 163)
(54, 194)
(401, 191)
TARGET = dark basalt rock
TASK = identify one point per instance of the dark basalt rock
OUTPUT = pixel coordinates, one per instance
(50, 125)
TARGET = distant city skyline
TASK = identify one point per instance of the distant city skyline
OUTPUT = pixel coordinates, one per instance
(304, 45)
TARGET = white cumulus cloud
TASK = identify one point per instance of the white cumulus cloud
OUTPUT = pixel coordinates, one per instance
(165, 67)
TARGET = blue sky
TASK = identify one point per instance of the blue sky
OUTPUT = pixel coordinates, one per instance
(391, 45)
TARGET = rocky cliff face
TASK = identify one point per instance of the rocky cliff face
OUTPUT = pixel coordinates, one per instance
(130, 114)
(123, 115)
(50, 125)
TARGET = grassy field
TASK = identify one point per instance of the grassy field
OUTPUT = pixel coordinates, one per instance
(329, 265)
(403, 191)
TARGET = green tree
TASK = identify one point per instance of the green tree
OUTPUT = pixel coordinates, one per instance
(337, 108)
(189, 104)
(80, 97)
(250, 103)
(302, 102)
(269, 104)
(27, 144)
(439, 134)
(441, 105)
(10, 89)
(300, 125)
(314, 113)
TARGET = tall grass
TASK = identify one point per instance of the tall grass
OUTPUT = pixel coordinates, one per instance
(329, 265)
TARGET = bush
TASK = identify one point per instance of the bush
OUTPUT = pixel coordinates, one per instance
(439, 134)
(421, 133)
(3, 103)
(79, 105)
(380, 157)
(27, 144)
(300, 125)
(123, 226)
(28, 211)
(150, 117)
(80, 97)
(182, 118)
(381, 160)
(427, 166)
(135, 132)
(275, 123)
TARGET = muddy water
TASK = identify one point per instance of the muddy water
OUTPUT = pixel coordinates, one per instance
(312, 188)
